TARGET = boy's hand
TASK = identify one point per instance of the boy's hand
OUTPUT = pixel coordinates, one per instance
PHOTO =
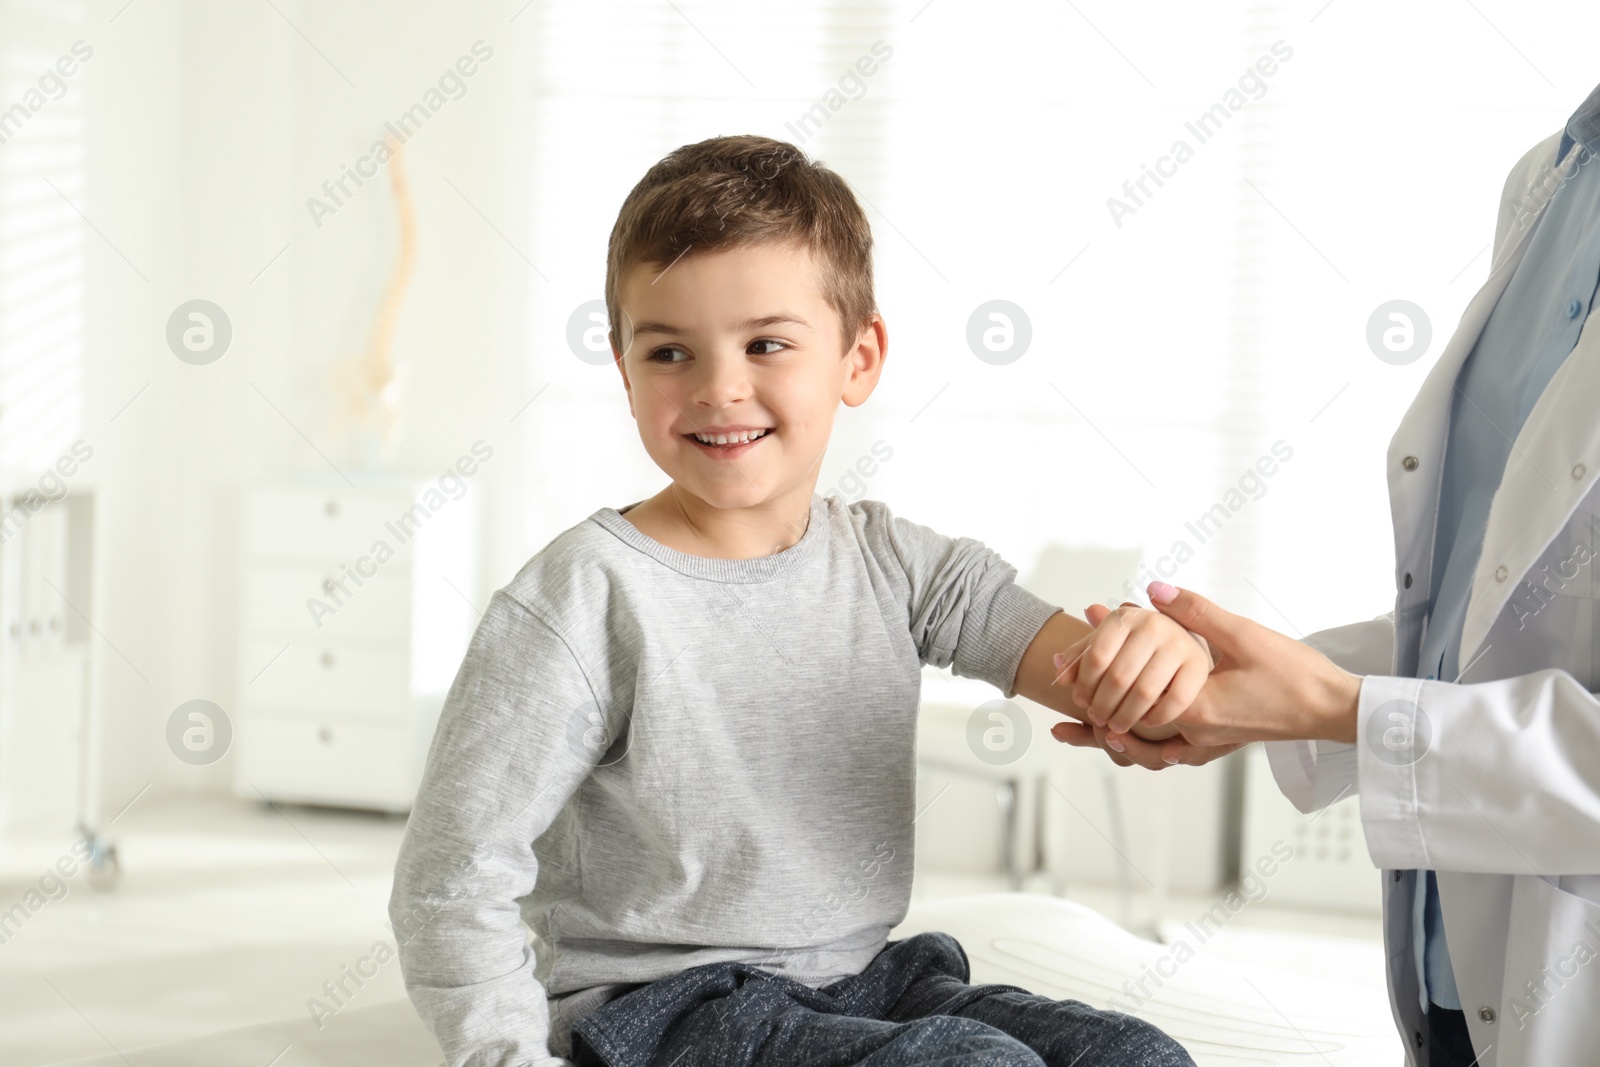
(1137, 668)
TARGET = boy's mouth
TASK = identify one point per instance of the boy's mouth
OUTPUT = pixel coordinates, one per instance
(729, 444)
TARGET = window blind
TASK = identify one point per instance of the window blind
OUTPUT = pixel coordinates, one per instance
(41, 234)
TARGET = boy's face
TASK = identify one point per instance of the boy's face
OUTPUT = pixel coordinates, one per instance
(739, 338)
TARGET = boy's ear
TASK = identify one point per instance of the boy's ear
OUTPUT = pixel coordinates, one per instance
(627, 386)
(866, 358)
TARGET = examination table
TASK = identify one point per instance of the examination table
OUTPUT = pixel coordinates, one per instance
(1222, 1012)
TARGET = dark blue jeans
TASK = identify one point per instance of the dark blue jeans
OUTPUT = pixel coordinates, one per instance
(912, 1005)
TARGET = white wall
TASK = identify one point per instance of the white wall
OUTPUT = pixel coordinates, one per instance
(211, 125)
(148, 514)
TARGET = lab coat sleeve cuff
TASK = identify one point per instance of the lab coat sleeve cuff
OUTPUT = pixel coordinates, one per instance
(1361, 647)
(1392, 733)
(1312, 774)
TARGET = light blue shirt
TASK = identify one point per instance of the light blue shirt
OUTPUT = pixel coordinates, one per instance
(1530, 332)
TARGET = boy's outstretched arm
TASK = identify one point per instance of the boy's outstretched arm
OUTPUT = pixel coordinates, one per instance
(967, 612)
(1147, 663)
(1036, 674)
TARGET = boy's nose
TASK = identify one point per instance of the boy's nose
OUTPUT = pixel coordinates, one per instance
(721, 382)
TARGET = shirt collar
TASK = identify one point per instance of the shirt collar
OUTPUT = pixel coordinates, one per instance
(1583, 126)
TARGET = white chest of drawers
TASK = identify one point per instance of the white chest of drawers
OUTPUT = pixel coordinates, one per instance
(356, 613)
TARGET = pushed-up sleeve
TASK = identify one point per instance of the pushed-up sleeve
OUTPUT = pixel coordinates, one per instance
(963, 605)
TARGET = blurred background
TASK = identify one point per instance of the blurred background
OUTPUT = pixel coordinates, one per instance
(284, 281)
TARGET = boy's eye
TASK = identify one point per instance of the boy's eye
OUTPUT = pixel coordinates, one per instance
(658, 356)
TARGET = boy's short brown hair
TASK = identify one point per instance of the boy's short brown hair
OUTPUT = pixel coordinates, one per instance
(729, 192)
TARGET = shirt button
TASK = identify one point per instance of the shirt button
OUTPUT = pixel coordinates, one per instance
(1396, 876)
(1416, 1038)
(1486, 1014)
(1573, 308)
(1407, 581)
(1579, 470)
(1409, 463)
(1500, 574)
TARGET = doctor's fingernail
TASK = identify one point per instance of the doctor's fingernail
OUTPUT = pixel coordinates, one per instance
(1112, 742)
(1161, 592)
(1060, 660)
(1169, 759)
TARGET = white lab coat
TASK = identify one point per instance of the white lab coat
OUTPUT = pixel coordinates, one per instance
(1505, 801)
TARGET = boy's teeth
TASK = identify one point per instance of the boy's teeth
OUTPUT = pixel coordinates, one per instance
(729, 438)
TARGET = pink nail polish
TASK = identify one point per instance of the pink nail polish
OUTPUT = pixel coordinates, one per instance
(1161, 592)
(1060, 660)
(1115, 744)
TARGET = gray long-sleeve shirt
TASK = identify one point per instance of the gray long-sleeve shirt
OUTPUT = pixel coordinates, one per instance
(659, 760)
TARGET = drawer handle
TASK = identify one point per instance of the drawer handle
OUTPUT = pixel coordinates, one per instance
(331, 507)
(327, 660)
(325, 735)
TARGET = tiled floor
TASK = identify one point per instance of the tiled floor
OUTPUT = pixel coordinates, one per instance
(230, 913)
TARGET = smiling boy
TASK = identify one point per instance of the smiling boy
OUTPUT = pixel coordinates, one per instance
(682, 745)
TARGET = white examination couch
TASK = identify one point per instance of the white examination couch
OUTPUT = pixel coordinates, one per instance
(1226, 1015)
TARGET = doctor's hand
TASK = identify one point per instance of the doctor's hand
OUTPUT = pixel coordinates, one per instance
(1129, 749)
(1266, 686)
(1151, 747)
